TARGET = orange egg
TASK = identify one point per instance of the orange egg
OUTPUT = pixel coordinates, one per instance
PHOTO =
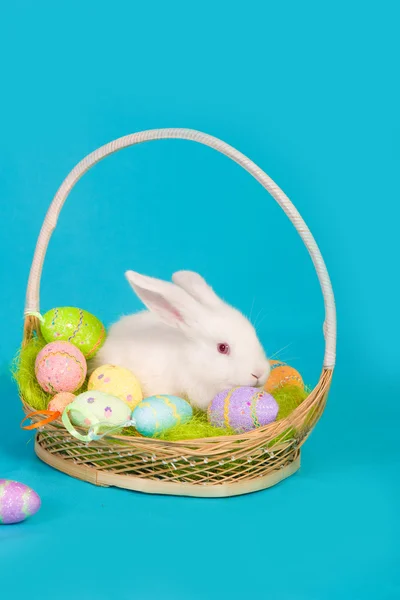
(281, 375)
(60, 401)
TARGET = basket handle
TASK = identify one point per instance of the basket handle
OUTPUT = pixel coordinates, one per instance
(50, 222)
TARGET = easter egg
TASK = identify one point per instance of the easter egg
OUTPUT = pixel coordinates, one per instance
(242, 409)
(60, 367)
(281, 375)
(79, 327)
(118, 382)
(60, 401)
(159, 413)
(17, 502)
(94, 408)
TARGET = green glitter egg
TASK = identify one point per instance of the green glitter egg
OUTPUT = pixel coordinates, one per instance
(74, 325)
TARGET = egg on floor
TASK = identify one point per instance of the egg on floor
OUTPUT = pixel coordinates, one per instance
(17, 502)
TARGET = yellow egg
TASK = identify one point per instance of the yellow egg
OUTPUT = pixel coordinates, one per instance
(117, 381)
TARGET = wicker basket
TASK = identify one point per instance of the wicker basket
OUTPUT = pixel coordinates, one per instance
(211, 467)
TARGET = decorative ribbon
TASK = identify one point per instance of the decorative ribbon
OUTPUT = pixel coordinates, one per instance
(93, 433)
(52, 415)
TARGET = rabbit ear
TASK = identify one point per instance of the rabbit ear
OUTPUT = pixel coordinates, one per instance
(172, 304)
(197, 287)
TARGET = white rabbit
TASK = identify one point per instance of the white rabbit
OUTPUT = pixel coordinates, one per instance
(189, 343)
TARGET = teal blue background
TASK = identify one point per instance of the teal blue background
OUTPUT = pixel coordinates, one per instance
(309, 91)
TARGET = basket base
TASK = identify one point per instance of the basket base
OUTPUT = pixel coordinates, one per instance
(151, 486)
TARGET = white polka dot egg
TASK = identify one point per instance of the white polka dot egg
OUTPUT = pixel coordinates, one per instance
(94, 408)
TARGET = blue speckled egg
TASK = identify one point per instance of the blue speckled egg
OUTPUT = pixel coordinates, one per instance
(159, 413)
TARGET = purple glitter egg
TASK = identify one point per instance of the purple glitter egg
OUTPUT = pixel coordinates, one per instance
(17, 502)
(242, 409)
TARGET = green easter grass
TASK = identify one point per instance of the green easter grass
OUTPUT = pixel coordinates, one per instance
(23, 369)
(289, 398)
(198, 427)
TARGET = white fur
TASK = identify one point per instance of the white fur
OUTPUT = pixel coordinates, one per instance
(172, 347)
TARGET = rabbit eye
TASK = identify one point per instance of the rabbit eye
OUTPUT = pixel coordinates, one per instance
(223, 348)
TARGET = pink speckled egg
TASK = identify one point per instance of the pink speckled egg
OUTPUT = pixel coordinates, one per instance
(60, 367)
(60, 401)
(17, 502)
(243, 409)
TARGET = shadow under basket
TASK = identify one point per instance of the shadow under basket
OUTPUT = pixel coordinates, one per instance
(209, 467)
